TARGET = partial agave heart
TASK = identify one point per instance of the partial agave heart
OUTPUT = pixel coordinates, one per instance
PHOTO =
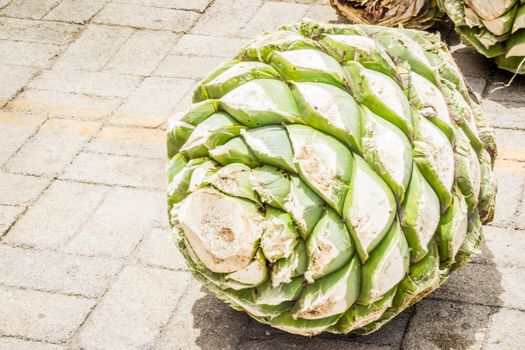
(417, 14)
(330, 176)
(496, 28)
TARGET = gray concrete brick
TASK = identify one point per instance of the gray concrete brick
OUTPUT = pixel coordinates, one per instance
(226, 17)
(132, 312)
(133, 59)
(64, 104)
(14, 78)
(146, 17)
(19, 344)
(506, 331)
(204, 45)
(505, 114)
(135, 142)
(273, 15)
(153, 102)
(76, 11)
(510, 177)
(472, 63)
(52, 148)
(41, 316)
(192, 67)
(290, 342)
(116, 170)
(8, 215)
(201, 321)
(15, 129)
(119, 224)
(38, 55)
(505, 246)
(512, 93)
(477, 84)
(34, 9)
(159, 249)
(196, 5)
(94, 48)
(20, 189)
(511, 144)
(324, 13)
(446, 325)
(37, 31)
(486, 284)
(56, 272)
(58, 214)
(97, 84)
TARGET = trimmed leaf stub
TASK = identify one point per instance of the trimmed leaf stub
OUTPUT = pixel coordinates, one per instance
(330, 177)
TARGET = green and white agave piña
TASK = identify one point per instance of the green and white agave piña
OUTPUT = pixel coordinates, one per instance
(496, 28)
(417, 14)
(330, 176)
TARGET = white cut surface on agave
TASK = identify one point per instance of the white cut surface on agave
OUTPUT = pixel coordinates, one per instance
(275, 242)
(392, 147)
(276, 38)
(391, 270)
(329, 304)
(221, 231)
(357, 41)
(416, 50)
(253, 274)
(236, 70)
(441, 153)
(459, 228)
(329, 101)
(318, 161)
(475, 172)
(432, 97)
(199, 175)
(371, 208)
(312, 59)
(325, 253)
(388, 92)
(429, 214)
(252, 96)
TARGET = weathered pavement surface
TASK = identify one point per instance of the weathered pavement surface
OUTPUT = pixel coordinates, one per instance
(86, 259)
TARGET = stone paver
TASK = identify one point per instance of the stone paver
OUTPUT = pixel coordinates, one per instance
(8, 215)
(75, 11)
(64, 104)
(507, 330)
(15, 129)
(19, 344)
(157, 249)
(116, 170)
(54, 145)
(135, 309)
(58, 214)
(41, 316)
(121, 211)
(15, 77)
(146, 17)
(87, 260)
(153, 102)
(94, 48)
(20, 189)
(133, 59)
(465, 326)
(56, 272)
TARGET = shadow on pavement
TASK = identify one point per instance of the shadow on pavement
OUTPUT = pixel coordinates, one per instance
(456, 316)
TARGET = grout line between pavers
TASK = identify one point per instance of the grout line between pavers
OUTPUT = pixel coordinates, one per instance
(507, 307)
(46, 291)
(30, 339)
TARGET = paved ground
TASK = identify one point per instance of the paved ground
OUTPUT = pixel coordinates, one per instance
(86, 260)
